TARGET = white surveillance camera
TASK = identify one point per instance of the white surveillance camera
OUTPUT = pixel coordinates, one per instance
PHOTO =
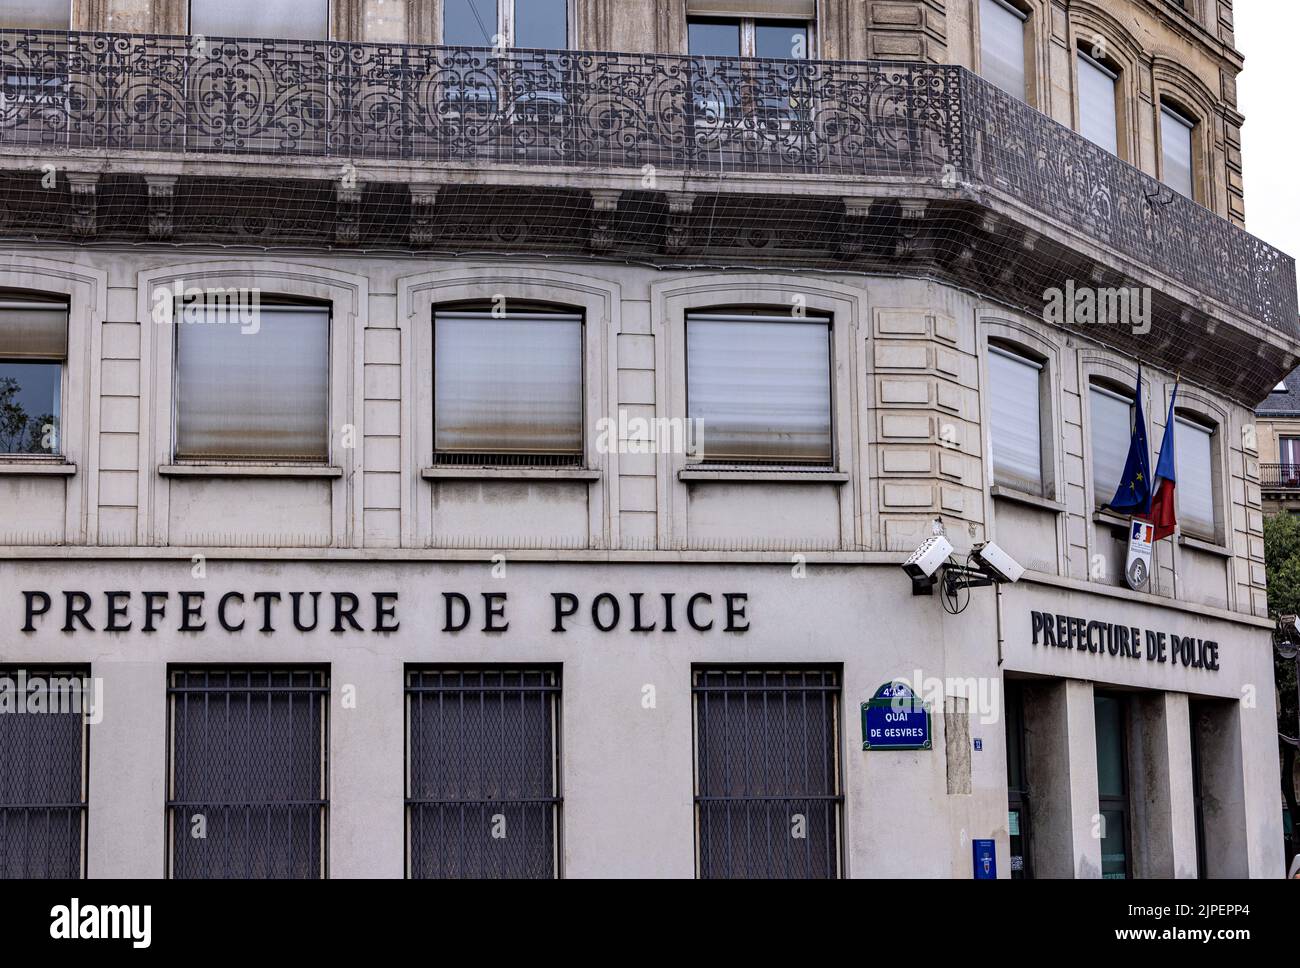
(928, 558)
(1001, 567)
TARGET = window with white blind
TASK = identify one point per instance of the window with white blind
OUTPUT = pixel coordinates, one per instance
(274, 19)
(507, 388)
(760, 387)
(252, 390)
(1111, 417)
(33, 349)
(1194, 467)
(1015, 420)
(1002, 46)
(36, 14)
(1098, 116)
(1176, 148)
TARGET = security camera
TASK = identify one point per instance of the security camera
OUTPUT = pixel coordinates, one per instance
(928, 558)
(999, 565)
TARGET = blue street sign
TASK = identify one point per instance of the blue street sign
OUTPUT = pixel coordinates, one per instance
(895, 719)
(985, 857)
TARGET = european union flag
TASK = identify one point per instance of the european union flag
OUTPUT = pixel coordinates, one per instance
(1133, 496)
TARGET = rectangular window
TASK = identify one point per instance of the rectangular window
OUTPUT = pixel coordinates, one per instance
(1194, 468)
(271, 19)
(470, 23)
(507, 387)
(1098, 118)
(33, 349)
(246, 767)
(1002, 46)
(760, 387)
(483, 789)
(748, 37)
(540, 24)
(43, 775)
(713, 38)
(1288, 449)
(252, 390)
(1015, 421)
(1017, 782)
(1176, 147)
(768, 795)
(36, 14)
(1112, 784)
(1111, 415)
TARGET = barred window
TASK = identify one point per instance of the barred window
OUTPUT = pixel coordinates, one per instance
(43, 774)
(507, 388)
(483, 789)
(247, 787)
(33, 350)
(768, 794)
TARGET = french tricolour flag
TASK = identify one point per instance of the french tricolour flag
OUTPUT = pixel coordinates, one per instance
(1162, 502)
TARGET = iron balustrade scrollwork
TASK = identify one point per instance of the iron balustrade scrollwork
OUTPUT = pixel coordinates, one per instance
(937, 124)
(1280, 476)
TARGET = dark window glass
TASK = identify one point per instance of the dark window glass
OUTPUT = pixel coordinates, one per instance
(469, 23)
(483, 796)
(43, 776)
(1017, 784)
(29, 407)
(1112, 784)
(781, 39)
(542, 23)
(246, 795)
(713, 38)
(767, 796)
(1198, 788)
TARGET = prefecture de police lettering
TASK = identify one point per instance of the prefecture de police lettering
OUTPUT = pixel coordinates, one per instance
(1123, 641)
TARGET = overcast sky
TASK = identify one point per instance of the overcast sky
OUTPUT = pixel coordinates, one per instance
(1269, 96)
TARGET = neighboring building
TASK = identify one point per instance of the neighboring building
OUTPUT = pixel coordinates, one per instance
(545, 517)
(1278, 429)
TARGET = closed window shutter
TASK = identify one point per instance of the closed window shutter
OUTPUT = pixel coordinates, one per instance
(33, 331)
(36, 14)
(1097, 118)
(1015, 421)
(1111, 417)
(1176, 146)
(761, 387)
(282, 20)
(1002, 46)
(510, 385)
(1194, 467)
(253, 392)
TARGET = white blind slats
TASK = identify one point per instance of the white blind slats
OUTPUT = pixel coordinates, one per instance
(1111, 417)
(33, 331)
(507, 386)
(1176, 146)
(260, 395)
(761, 388)
(1097, 118)
(36, 14)
(1193, 464)
(1002, 47)
(1015, 422)
(287, 19)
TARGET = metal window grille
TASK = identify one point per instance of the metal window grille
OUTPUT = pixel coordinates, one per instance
(247, 773)
(43, 774)
(483, 789)
(768, 797)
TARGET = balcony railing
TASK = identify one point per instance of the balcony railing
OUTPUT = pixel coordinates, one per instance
(940, 125)
(1280, 477)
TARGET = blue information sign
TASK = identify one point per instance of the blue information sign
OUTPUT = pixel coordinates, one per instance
(894, 719)
(986, 860)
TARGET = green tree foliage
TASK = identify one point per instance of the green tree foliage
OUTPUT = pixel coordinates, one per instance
(1282, 566)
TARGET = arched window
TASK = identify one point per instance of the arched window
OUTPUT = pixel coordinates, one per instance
(33, 352)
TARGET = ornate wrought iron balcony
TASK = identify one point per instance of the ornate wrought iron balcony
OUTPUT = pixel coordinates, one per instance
(1279, 477)
(926, 131)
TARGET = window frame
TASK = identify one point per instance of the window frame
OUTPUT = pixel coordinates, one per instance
(1048, 477)
(1019, 799)
(553, 689)
(577, 459)
(10, 300)
(1117, 75)
(1124, 802)
(506, 26)
(244, 460)
(329, 25)
(719, 314)
(1197, 420)
(71, 24)
(1107, 387)
(748, 30)
(1029, 46)
(1179, 115)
